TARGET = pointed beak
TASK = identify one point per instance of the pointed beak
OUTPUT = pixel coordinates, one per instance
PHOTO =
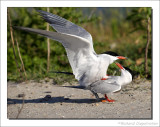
(121, 57)
(119, 65)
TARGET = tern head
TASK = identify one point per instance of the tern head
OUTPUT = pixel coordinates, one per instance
(129, 70)
(114, 56)
(126, 72)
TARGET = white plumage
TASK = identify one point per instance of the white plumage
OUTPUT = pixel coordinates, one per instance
(87, 66)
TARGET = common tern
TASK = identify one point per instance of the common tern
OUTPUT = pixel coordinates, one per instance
(112, 84)
(87, 66)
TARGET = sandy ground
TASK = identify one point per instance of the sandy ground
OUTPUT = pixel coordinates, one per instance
(46, 100)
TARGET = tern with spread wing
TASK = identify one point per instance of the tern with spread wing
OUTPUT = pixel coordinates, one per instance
(87, 66)
(112, 84)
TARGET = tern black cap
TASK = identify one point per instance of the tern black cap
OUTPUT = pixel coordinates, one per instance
(110, 53)
(130, 71)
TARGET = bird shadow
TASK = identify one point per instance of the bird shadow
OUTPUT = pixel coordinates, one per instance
(76, 87)
(50, 100)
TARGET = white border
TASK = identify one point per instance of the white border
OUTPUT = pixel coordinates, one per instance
(5, 4)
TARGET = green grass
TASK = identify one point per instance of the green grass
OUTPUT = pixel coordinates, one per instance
(33, 47)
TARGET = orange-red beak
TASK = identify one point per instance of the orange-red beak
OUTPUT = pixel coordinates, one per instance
(119, 65)
(121, 57)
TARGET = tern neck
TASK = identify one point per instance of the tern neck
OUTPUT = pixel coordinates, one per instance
(125, 78)
(107, 58)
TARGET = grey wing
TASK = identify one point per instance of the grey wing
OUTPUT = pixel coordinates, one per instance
(62, 25)
(78, 49)
(104, 86)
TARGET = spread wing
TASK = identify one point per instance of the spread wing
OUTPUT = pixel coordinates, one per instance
(79, 50)
(62, 25)
(105, 86)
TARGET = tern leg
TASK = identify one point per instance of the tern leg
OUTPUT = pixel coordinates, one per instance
(96, 95)
(103, 78)
(107, 99)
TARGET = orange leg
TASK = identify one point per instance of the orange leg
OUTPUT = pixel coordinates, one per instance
(107, 99)
(103, 78)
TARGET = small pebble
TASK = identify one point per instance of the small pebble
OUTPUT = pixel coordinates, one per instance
(21, 95)
(48, 92)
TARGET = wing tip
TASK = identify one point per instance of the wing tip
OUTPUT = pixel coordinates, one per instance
(40, 11)
(16, 27)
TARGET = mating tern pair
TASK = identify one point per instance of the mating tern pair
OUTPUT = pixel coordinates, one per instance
(88, 67)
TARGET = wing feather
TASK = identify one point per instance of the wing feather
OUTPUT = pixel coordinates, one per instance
(62, 25)
(78, 49)
(105, 86)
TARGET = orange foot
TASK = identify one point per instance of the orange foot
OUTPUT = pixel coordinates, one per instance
(103, 100)
(103, 78)
(108, 98)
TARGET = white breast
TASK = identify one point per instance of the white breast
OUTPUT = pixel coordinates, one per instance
(95, 72)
